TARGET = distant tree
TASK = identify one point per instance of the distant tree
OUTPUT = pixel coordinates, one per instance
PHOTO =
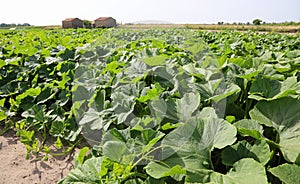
(87, 24)
(248, 23)
(14, 25)
(26, 24)
(257, 22)
(220, 23)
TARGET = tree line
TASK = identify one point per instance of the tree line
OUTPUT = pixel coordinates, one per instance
(14, 25)
(260, 22)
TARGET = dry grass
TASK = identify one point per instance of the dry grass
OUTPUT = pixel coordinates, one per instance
(267, 28)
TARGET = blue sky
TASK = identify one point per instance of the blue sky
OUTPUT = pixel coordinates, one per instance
(51, 12)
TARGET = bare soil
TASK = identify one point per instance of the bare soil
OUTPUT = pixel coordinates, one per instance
(15, 169)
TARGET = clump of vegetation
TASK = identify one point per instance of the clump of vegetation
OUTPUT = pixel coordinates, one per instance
(87, 24)
(257, 22)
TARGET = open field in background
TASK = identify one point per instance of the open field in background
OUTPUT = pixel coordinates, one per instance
(267, 28)
(280, 28)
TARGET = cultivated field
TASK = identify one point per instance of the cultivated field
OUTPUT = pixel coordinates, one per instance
(152, 105)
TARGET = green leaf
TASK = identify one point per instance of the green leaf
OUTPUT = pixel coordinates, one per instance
(58, 144)
(287, 173)
(229, 90)
(3, 115)
(152, 94)
(192, 70)
(26, 137)
(30, 92)
(13, 61)
(113, 67)
(3, 110)
(89, 172)
(282, 114)
(90, 116)
(135, 181)
(151, 180)
(293, 54)
(98, 100)
(155, 60)
(95, 120)
(119, 146)
(2, 63)
(196, 46)
(117, 151)
(267, 89)
(57, 128)
(246, 171)
(217, 90)
(169, 126)
(191, 144)
(36, 112)
(2, 101)
(259, 151)
(148, 138)
(230, 119)
(158, 171)
(250, 127)
(81, 156)
(177, 110)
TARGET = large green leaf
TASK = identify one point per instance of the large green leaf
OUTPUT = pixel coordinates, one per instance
(155, 60)
(177, 110)
(190, 145)
(117, 151)
(217, 90)
(267, 89)
(124, 146)
(248, 127)
(157, 170)
(259, 151)
(95, 120)
(89, 172)
(282, 114)
(246, 171)
(287, 173)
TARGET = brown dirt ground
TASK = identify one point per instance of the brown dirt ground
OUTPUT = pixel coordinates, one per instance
(15, 169)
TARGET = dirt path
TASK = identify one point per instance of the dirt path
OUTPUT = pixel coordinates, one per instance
(15, 169)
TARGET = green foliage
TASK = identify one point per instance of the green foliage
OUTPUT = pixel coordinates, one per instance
(87, 24)
(245, 170)
(288, 173)
(257, 22)
(157, 106)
